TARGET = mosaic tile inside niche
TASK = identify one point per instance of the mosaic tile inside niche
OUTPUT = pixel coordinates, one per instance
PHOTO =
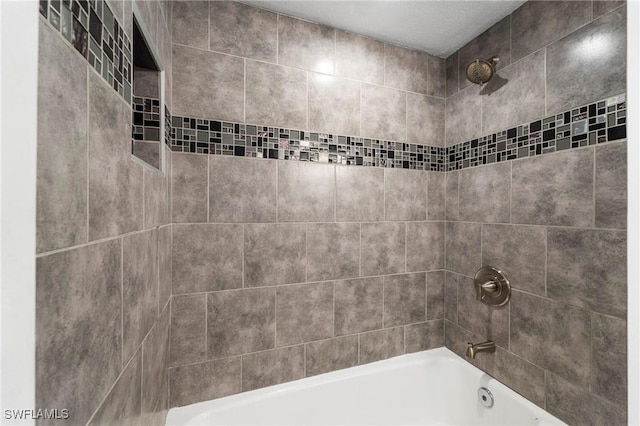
(246, 140)
(600, 122)
(146, 119)
(97, 35)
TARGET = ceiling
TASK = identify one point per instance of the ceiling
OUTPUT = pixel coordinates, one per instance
(438, 27)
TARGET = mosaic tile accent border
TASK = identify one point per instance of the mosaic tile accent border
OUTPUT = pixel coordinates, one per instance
(600, 122)
(91, 28)
(247, 140)
(145, 114)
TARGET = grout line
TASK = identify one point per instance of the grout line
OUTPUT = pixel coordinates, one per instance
(405, 246)
(244, 233)
(275, 318)
(594, 200)
(88, 144)
(121, 302)
(206, 327)
(244, 91)
(208, 188)
(546, 259)
(360, 253)
(208, 26)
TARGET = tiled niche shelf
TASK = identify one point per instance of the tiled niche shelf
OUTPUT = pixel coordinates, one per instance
(600, 122)
(97, 35)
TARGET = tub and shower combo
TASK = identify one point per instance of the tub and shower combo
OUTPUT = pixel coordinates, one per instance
(433, 387)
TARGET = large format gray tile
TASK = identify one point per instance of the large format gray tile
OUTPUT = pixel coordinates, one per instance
(383, 247)
(405, 194)
(304, 312)
(519, 99)
(452, 70)
(383, 113)
(306, 192)
(463, 114)
(485, 193)
(523, 377)
(201, 382)
(359, 58)
(424, 336)
(463, 247)
(272, 367)
(380, 344)
(261, 241)
(437, 77)
(156, 203)
(406, 69)
(588, 268)
(189, 188)
(436, 196)
(139, 288)
(206, 257)
(487, 321)
(188, 329)
(553, 189)
(240, 321)
(358, 305)
(164, 267)
(576, 405)
(425, 120)
(536, 336)
(61, 203)
(164, 49)
(425, 246)
(577, 75)
(242, 189)
(405, 299)
(601, 7)
(155, 361)
(302, 44)
(334, 105)
(452, 195)
(123, 404)
(275, 95)
(331, 355)
(78, 327)
(359, 193)
(115, 182)
(451, 297)
(609, 351)
(493, 42)
(435, 294)
(520, 252)
(191, 23)
(333, 251)
(243, 30)
(538, 23)
(202, 79)
(611, 186)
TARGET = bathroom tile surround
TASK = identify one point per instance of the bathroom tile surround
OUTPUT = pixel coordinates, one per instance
(362, 272)
(336, 294)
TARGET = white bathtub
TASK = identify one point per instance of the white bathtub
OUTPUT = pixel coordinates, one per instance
(433, 387)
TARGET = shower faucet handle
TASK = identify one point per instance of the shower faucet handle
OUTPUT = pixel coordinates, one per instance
(492, 286)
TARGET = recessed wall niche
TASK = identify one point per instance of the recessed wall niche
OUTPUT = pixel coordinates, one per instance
(148, 99)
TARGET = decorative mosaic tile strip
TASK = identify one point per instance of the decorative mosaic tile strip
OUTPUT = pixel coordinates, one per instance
(246, 140)
(90, 27)
(146, 119)
(592, 124)
(167, 126)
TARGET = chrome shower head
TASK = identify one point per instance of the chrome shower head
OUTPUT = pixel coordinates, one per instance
(480, 72)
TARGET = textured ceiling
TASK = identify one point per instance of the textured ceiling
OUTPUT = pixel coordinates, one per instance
(438, 27)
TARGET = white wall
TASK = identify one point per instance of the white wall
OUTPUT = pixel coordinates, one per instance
(18, 132)
(633, 163)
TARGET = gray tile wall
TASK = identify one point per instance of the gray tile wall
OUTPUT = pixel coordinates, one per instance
(103, 242)
(556, 224)
(548, 64)
(562, 337)
(315, 273)
(275, 70)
